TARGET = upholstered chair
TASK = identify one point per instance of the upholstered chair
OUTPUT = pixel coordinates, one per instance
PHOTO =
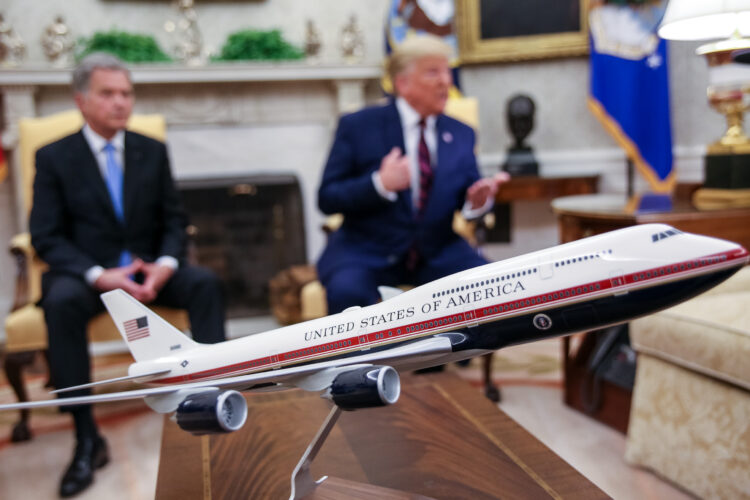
(690, 412)
(25, 328)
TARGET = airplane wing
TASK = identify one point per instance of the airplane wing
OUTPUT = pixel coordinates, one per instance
(312, 377)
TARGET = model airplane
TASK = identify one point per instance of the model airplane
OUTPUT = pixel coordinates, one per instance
(352, 356)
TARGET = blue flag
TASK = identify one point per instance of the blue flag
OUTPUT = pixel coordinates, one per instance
(630, 88)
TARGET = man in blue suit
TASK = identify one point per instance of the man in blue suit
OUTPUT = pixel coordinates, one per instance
(398, 173)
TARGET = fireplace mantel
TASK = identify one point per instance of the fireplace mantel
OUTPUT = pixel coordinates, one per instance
(224, 72)
(19, 85)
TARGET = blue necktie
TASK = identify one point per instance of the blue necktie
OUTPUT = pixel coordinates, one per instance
(114, 186)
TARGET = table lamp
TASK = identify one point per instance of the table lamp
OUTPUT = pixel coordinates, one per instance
(727, 163)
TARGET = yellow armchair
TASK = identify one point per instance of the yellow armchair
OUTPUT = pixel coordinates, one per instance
(25, 328)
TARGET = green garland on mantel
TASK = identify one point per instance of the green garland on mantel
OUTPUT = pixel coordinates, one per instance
(244, 45)
(129, 47)
(254, 45)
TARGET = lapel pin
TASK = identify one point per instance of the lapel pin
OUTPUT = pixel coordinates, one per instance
(447, 137)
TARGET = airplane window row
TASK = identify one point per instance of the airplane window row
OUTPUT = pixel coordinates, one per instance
(242, 366)
(543, 298)
(484, 283)
(430, 324)
(582, 258)
(678, 267)
(314, 350)
(220, 371)
(381, 335)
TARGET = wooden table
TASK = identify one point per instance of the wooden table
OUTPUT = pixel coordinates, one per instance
(582, 216)
(539, 188)
(441, 440)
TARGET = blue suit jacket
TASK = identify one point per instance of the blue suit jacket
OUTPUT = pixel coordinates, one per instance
(377, 232)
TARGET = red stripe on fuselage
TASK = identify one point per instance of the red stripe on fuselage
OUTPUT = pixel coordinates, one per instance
(483, 314)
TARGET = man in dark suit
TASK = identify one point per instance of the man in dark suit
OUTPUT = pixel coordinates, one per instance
(398, 173)
(106, 215)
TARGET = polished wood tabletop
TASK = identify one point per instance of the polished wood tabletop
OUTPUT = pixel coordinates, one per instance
(587, 215)
(532, 187)
(442, 440)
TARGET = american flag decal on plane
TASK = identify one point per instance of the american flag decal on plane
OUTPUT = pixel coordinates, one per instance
(136, 328)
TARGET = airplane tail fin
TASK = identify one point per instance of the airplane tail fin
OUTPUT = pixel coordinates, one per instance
(147, 334)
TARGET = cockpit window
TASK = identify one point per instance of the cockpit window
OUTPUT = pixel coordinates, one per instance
(664, 234)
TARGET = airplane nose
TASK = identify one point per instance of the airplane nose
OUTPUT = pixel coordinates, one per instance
(708, 246)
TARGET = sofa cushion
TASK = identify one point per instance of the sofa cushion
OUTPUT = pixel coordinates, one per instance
(709, 333)
(693, 430)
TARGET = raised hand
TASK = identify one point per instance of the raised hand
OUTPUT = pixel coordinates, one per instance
(483, 189)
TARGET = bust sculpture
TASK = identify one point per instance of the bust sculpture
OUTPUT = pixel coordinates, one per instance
(520, 115)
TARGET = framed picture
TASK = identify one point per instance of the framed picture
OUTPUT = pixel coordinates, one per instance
(518, 30)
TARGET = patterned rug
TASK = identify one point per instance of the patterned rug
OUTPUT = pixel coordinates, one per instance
(44, 420)
(537, 364)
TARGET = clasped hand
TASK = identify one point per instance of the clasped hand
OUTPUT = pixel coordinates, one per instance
(155, 277)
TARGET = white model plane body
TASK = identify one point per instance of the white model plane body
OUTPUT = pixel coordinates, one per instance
(605, 266)
(586, 284)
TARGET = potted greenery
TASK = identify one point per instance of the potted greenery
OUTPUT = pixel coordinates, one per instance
(129, 47)
(257, 45)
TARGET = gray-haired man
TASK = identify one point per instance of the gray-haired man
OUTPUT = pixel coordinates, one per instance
(106, 215)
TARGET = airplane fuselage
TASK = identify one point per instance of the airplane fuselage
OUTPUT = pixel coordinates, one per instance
(594, 282)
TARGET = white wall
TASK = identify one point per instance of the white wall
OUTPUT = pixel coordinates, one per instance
(216, 19)
(558, 86)
(567, 138)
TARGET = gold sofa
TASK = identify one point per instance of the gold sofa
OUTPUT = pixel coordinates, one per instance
(690, 413)
(25, 329)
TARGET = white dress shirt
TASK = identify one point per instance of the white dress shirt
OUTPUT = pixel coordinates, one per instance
(410, 119)
(97, 143)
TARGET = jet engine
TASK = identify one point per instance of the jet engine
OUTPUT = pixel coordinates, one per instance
(366, 387)
(212, 412)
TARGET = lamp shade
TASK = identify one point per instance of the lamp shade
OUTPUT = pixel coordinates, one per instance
(705, 19)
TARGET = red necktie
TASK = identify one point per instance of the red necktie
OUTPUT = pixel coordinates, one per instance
(425, 170)
(425, 184)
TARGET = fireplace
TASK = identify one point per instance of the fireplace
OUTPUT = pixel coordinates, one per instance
(245, 229)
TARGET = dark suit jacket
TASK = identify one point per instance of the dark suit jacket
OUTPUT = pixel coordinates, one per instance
(377, 232)
(73, 224)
